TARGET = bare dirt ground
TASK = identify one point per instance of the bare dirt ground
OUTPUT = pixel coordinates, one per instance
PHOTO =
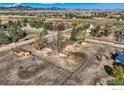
(54, 70)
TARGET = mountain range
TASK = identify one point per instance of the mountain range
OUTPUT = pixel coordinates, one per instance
(64, 6)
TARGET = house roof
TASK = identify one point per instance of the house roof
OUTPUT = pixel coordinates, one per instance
(68, 42)
(120, 57)
(22, 50)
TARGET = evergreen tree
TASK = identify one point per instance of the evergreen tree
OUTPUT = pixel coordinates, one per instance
(4, 39)
(58, 41)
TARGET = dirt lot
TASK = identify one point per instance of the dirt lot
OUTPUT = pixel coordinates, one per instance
(54, 70)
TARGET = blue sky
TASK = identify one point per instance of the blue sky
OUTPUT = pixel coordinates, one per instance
(69, 5)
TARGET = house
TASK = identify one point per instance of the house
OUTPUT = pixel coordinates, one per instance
(69, 45)
(22, 52)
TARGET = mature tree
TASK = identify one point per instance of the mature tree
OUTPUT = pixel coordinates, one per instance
(32, 23)
(78, 34)
(96, 31)
(70, 15)
(102, 14)
(41, 41)
(0, 21)
(107, 31)
(4, 39)
(73, 33)
(15, 33)
(119, 36)
(81, 35)
(74, 24)
(18, 24)
(97, 28)
(11, 23)
(58, 41)
(25, 20)
(0, 24)
(21, 33)
(48, 26)
(39, 24)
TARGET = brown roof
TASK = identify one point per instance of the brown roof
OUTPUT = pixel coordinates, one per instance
(68, 42)
(22, 50)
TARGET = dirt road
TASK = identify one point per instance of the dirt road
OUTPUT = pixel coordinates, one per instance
(14, 45)
(105, 43)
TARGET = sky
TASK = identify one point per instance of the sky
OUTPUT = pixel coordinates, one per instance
(69, 5)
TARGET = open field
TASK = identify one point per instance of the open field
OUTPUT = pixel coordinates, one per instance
(54, 70)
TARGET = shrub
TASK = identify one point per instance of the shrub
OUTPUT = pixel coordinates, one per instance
(78, 54)
(119, 81)
(118, 72)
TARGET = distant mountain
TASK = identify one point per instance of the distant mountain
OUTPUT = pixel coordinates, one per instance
(19, 6)
(56, 8)
(23, 7)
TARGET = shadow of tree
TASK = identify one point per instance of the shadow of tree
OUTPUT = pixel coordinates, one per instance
(108, 69)
(117, 64)
(113, 56)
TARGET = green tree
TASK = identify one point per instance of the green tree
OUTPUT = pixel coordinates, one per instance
(96, 31)
(41, 41)
(119, 36)
(58, 41)
(25, 21)
(81, 35)
(0, 21)
(78, 34)
(48, 26)
(70, 15)
(4, 39)
(11, 23)
(74, 24)
(39, 24)
(73, 33)
(97, 28)
(32, 23)
(15, 33)
(18, 24)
